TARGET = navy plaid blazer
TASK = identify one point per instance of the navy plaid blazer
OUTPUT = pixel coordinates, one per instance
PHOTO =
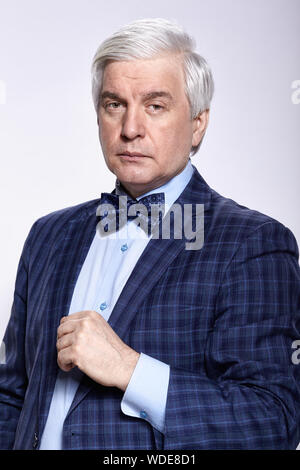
(224, 317)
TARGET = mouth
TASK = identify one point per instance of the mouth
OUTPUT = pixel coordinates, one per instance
(131, 156)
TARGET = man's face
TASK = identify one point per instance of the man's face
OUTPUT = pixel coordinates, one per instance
(145, 128)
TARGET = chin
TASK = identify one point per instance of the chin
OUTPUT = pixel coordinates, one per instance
(134, 181)
(133, 176)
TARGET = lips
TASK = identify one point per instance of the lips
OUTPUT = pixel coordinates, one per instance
(132, 154)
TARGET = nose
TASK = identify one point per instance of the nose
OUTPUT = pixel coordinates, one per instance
(133, 124)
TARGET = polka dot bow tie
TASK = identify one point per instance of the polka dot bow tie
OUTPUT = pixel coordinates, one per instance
(118, 209)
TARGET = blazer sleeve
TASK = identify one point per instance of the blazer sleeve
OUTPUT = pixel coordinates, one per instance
(249, 395)
(13, 378)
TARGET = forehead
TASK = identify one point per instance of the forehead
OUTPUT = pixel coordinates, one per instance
(162, 72)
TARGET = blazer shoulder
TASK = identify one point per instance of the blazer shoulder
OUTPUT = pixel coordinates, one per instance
(239, 223)
(224, 213)
(49, 227)
(68, 213)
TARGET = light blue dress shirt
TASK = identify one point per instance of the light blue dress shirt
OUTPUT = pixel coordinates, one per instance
(105, 271)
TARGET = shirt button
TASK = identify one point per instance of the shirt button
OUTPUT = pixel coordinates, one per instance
(124, 247)
(143, 414)
(103, 306)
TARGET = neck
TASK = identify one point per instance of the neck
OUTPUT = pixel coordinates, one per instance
(135, 190)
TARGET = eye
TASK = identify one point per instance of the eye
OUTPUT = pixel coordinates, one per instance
(112, 105)
(156, 107)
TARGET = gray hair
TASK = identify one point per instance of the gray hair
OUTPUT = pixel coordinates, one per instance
(147, 38)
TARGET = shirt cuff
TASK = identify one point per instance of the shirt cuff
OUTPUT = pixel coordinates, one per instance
(146, 394)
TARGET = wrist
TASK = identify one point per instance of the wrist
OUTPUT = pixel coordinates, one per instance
(129, 362)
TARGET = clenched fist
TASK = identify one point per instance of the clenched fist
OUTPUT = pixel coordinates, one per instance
(86, 340)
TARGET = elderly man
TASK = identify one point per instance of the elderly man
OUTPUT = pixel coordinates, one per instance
(126, 339)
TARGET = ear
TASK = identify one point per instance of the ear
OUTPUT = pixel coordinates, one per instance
(200, 124)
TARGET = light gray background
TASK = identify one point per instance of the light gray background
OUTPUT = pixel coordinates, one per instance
(50, 155)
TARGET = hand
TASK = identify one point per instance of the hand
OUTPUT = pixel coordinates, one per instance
(86, 340)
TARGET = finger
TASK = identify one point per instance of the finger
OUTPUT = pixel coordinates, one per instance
(65, 328)
(65, 359)
(79, 315)
(70, 317)
(64, 341)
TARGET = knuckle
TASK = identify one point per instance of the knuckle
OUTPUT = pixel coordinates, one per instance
(75, 350)
(85, 323)
(79, 335)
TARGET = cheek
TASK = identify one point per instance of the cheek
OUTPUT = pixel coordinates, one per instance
(107, 133)
(176, 138)
(104, 135)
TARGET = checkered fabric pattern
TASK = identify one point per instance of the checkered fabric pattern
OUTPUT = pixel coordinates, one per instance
(224, 317)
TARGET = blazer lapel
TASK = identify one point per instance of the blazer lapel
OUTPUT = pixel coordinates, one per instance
(156, 258)
(69, 255)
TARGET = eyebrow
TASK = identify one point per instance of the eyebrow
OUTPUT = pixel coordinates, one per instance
(146, 96)
(158, 94)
